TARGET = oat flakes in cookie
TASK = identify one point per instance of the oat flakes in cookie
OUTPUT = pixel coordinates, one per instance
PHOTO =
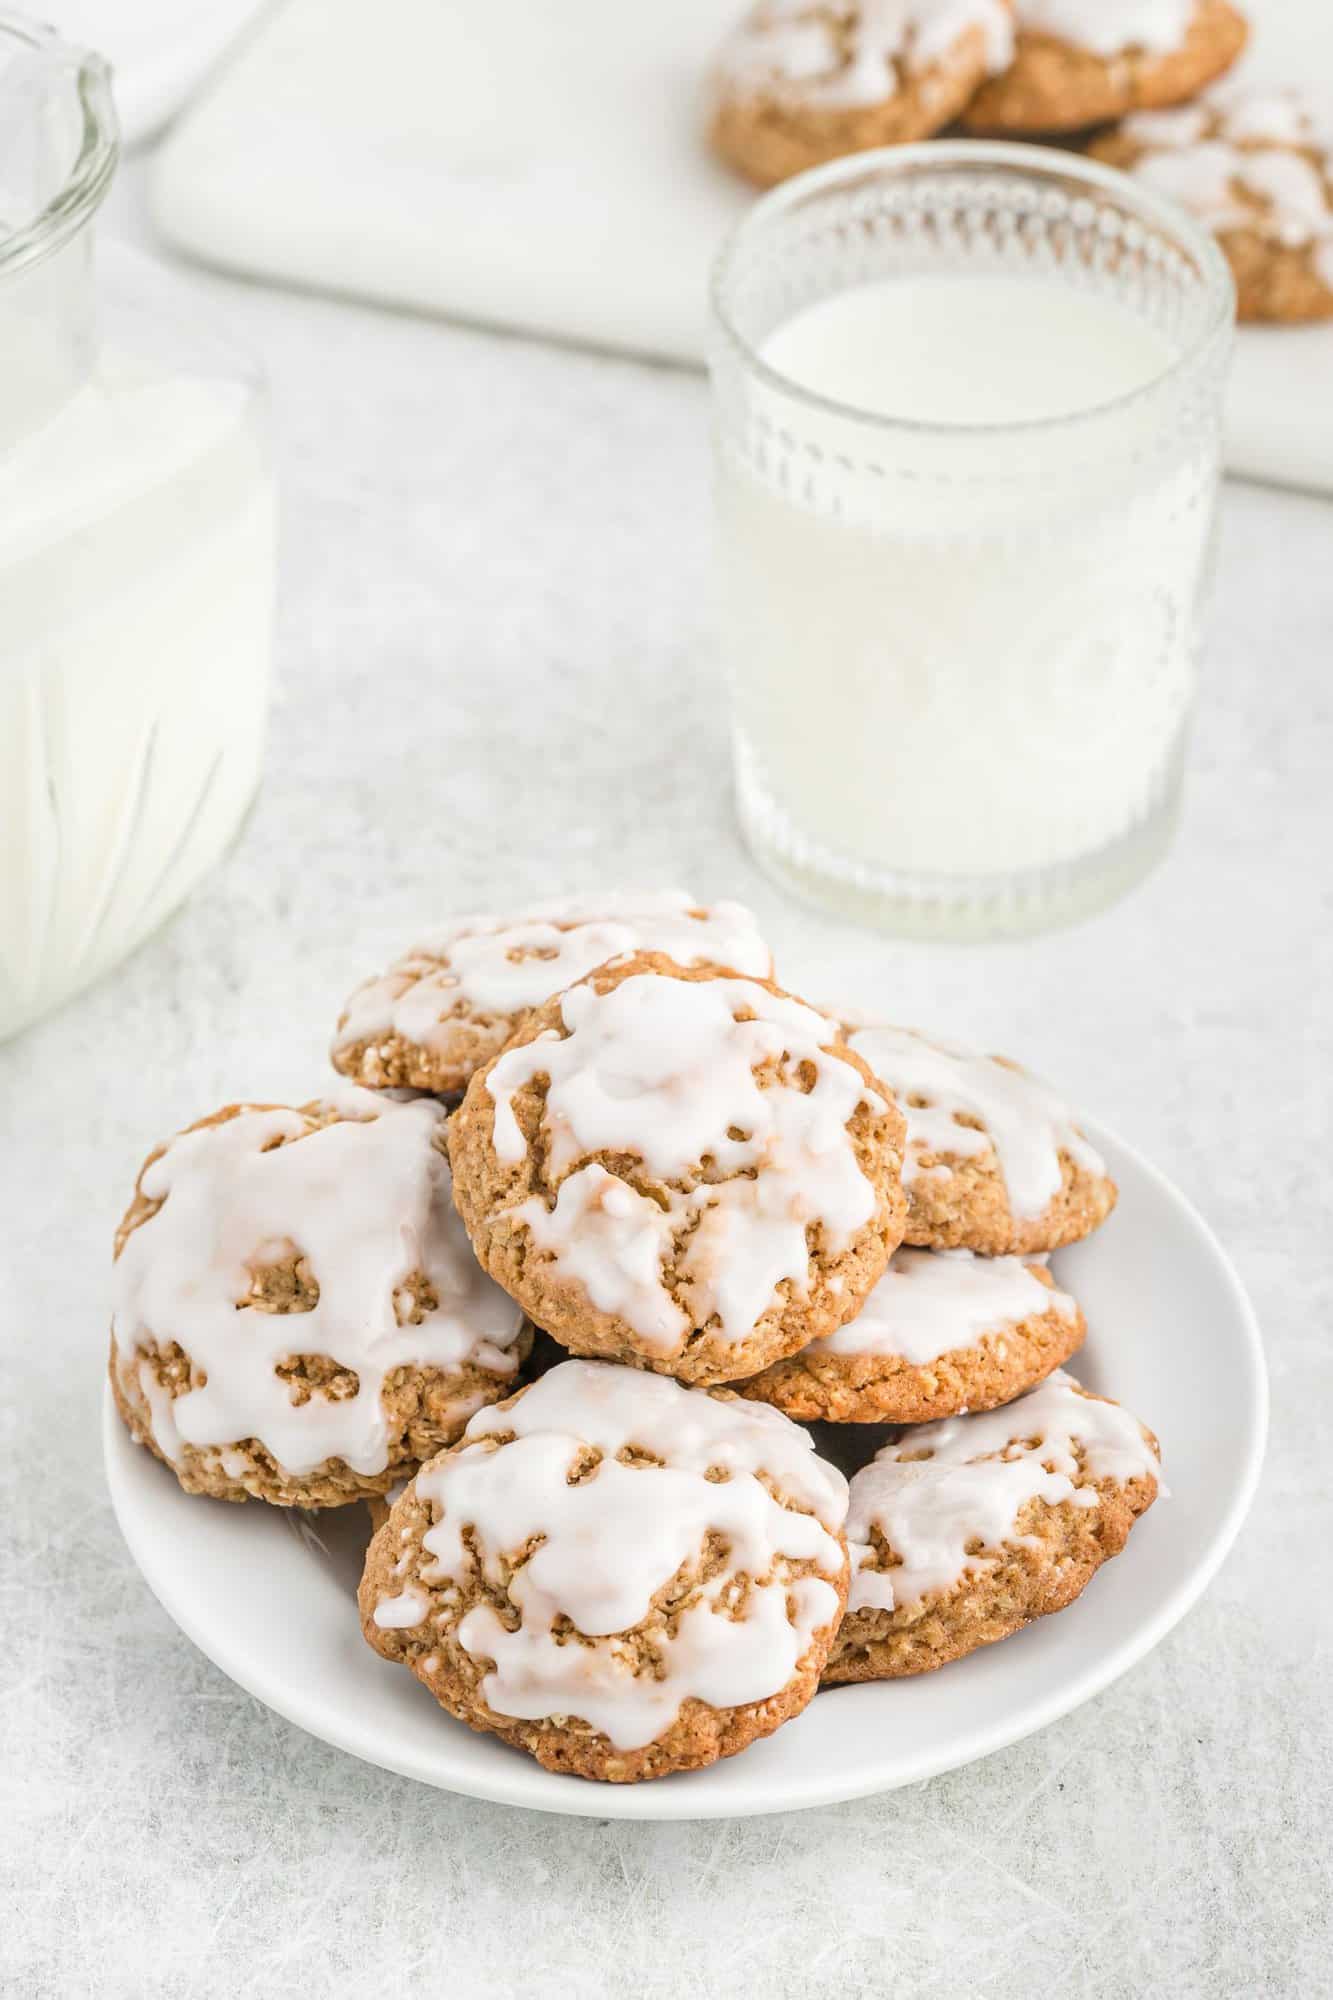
(1257, 171)
(802, 81)
(680, 1168)
(943, 1331)
(963, 1532)
(298, 1315)
(1078, 63)
(453, 1001)
(620, 1575)
(994, 1161)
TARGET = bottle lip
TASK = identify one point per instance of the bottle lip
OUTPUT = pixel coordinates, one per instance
(94, 162)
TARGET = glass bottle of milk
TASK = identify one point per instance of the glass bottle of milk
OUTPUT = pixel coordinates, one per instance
(968, 414)
(136, 558)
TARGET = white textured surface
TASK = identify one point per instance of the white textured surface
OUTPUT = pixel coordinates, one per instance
(543, 168)
(494, 685)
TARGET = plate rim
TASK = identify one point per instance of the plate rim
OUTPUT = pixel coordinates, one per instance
(660, 1801)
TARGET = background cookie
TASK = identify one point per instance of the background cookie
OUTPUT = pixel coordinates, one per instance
(943, 1331)
(963, 1532)
(297, 1308)
(452, 1002)
(622, 1576)
(681, 1169)
(1081, 62)
(994, 1161)
(1256, 171)
(800, 81)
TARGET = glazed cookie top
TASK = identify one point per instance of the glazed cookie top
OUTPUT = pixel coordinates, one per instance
(492, 970)
(1081, 63)
(846, 54)
(348, 1198)
(1253, 160)
(1106, 27)
(946, 1497)
(930, 1302)
(733, 1101)
(961, 1104)
(581, 1501)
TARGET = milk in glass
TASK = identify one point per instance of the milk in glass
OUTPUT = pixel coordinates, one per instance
(967, 457)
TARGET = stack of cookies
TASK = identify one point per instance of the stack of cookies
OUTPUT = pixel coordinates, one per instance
(721, 1209)
(800, 82)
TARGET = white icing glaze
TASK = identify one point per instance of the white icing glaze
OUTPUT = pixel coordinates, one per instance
(1206, 179)
(930, 1302)
(938, 24)
(1199, 178)
(1234, 165)
(367, 1203)
(1184, 125)
(982, 1471)
(1294, 189)
(611, 1541)
(1107, 27)
(1243, 117)
(1025, 1122)
(845, 54)
(613, 1240)
(663, 1069)
(400, 1613)
(1271, 117)
(506, 966)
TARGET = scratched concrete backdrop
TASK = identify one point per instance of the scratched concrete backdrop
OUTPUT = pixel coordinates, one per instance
(493, 684)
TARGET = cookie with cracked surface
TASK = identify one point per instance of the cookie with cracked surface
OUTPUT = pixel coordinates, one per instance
(620, 1575)
(454, 1000)
(963, 1532)
(1079, 63)
(541, 1354)
(943, 1331)
(994, 1161)
(802, 81)
(681, 1169)
(1255, 169)
(297, 1311)
(380, 1505)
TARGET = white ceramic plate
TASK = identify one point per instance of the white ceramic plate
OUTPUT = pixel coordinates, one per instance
(1172, 1335)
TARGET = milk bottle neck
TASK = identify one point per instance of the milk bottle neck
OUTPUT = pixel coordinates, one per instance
(58, 150)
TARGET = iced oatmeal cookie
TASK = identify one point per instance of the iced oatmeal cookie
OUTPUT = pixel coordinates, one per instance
(994, 1161)
(1257, 171)
(622, 1576)
(380, 1505)
(453, 1001)
(965, 1531)
(297, 1312)
(942, 1332)
(1078, 63)
(681, 1169)
(801, 81)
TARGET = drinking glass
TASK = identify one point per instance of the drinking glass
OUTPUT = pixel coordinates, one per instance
(961, 653)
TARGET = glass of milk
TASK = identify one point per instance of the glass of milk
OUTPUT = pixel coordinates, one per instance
(136, 557)
(967, 405)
